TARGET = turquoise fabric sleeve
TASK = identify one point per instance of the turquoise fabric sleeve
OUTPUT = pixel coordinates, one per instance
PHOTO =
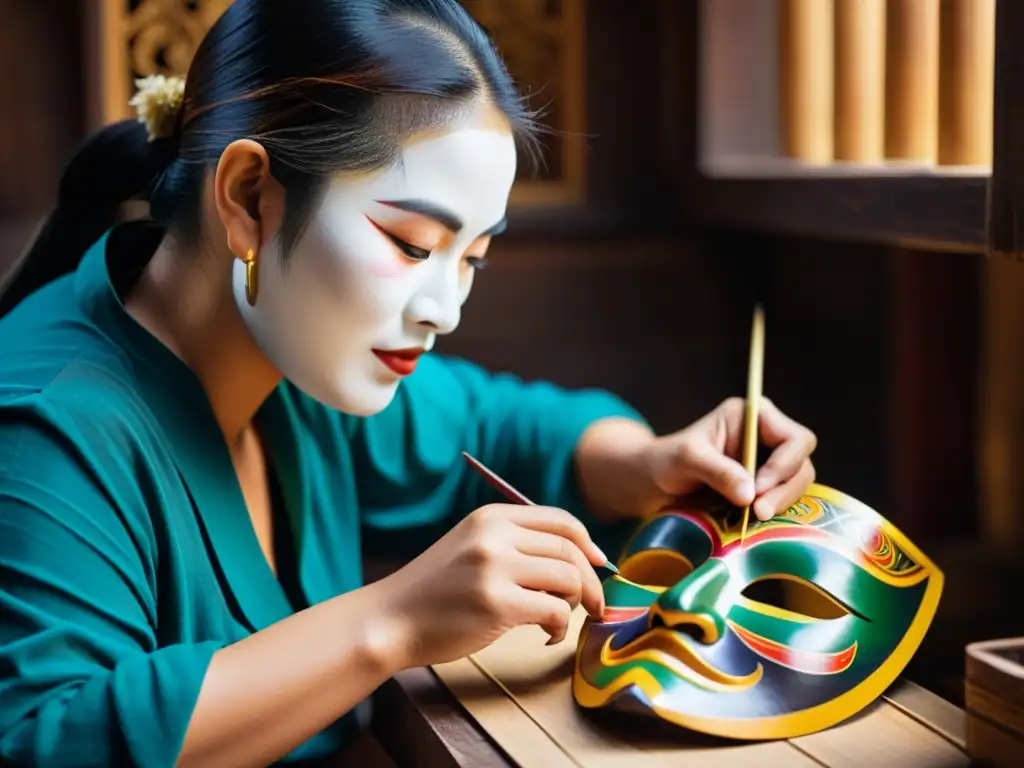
(78, 647)
(409, 463)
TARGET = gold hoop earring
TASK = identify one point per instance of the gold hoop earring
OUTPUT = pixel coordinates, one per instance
(251, 278)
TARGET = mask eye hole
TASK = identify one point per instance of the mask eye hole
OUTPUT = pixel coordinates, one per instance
(795, 596)
(656, 568)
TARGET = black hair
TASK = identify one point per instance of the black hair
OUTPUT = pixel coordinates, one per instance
(325, 87)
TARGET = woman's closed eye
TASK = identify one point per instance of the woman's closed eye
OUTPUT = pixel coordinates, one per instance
(422, 254)
(416, 253)
(410, 250)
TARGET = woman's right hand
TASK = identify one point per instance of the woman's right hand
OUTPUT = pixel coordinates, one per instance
(501, 566)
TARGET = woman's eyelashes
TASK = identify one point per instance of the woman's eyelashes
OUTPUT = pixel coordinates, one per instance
(410, 250)
(422, 254)
(415, 253)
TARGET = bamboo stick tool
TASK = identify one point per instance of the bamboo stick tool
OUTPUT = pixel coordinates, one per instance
(755, 379)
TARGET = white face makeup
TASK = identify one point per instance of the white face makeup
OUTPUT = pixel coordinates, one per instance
(353, 292)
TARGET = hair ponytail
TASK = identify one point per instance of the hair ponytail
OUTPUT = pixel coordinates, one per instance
(114, 165)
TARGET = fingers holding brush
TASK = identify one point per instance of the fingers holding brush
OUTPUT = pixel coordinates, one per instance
(784, 495)
(788, 472)
(555, 564)
(550, 613)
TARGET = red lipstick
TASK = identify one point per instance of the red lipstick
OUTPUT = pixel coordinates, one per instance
(401, 361)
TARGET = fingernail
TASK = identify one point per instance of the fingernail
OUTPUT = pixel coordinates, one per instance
(763, 511)
(601, 555)
(746, 489)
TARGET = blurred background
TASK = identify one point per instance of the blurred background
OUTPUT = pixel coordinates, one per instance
(852, 164)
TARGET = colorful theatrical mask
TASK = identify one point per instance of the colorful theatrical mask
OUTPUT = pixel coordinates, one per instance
(801, 626)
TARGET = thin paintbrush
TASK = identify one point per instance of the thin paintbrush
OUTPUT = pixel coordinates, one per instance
(509, 492)
(755, 377)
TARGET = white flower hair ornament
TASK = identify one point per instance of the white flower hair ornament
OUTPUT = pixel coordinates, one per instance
(156, 103)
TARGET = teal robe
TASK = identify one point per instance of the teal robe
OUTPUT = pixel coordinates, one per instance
(127, 556)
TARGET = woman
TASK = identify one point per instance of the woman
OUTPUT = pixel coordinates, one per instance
(197, 414)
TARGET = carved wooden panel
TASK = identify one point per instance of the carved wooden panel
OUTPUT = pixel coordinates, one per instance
(542, 42)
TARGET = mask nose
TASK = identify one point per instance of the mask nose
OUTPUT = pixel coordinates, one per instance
(438, 304)
(694, 604)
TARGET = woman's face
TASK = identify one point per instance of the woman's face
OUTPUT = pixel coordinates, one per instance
(384, 267)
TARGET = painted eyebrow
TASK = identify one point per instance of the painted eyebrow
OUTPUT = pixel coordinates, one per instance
(442, 216)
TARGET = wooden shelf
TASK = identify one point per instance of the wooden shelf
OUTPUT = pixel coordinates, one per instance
(743, 176)
(923, 210)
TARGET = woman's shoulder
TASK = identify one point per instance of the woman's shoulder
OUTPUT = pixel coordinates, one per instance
(64, 387)
(74, 448)
(47, 337)
(73, 457)
(69, 369)
(86, 404)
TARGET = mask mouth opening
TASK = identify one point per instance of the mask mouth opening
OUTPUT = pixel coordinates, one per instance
(675, 652)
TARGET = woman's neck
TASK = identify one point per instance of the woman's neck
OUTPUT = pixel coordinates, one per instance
(184, 298)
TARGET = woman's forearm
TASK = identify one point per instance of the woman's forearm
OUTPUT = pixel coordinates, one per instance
(267, 694)
(613, 471)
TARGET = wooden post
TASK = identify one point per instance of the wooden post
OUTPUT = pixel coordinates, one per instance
(912, 80)
(860, 80)
(966, 81)
(1005, 199)
(1001, 380)
(806, 79)
(1001, 406)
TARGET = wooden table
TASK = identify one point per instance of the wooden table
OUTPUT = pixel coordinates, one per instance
(364, 752)
(417, 721)
(420, 723)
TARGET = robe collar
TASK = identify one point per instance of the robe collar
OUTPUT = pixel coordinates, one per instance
(179, 403)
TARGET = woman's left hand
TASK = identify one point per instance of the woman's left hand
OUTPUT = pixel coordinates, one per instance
(708, 452)
(628, 472)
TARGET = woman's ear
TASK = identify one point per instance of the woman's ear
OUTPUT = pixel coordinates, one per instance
(250, 202)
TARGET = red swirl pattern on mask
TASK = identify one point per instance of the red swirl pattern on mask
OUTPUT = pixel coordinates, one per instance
(802, 661)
